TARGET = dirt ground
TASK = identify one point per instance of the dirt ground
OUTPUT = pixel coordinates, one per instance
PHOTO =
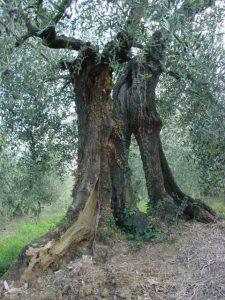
(188, 265)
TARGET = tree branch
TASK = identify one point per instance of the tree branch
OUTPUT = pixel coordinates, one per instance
(189, 8)
(48, 35)
(62, 8)
(39, 3)
(155, 50)
(118, 49)
(137, 45)
(173, 74)
(178, 76)
(50, 38)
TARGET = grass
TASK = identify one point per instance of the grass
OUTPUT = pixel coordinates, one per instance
(217, 204)
(20, 234)
(142, 206)
(22, 231)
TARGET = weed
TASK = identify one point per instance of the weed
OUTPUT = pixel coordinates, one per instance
(111, 224)
(137, 226)
(172, 241)
(136, 246)
(179, 224)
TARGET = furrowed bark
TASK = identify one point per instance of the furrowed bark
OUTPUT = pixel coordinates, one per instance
(122, 193)
(135, 95)
(92, 191)
(99, 150)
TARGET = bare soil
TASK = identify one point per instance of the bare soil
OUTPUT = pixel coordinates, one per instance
(188, 265)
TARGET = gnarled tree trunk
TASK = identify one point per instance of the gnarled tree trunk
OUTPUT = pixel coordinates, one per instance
(135, 97)
(102, 160)
(99, 152)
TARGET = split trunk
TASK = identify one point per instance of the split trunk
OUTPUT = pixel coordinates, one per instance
(135, 98)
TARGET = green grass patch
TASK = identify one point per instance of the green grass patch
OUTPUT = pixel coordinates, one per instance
(19, 234)
(217, 204)
(142, 206)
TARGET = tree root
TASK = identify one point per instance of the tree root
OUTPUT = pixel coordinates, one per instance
(198, 210)
(58, 246)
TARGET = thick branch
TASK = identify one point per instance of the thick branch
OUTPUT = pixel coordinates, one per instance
(50, 38)
(63, 42)
(119, 48)
(155, 52)
(48, 35)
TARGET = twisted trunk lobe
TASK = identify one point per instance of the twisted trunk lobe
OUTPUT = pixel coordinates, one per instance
(98, 142)
(135, 97)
